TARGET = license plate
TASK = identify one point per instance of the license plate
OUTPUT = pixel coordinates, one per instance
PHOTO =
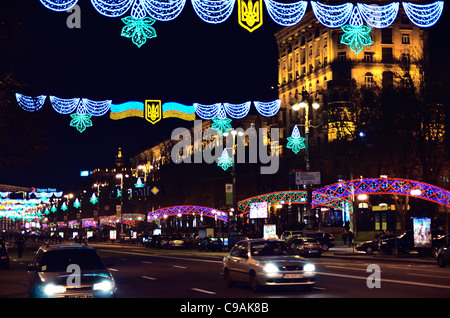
(81, 296)
(313, 251)
(293, 276)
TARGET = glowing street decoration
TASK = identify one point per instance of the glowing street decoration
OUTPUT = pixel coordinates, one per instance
(237, 111)
(139, 30)
(64, 206)
(59, 5)
(139, 183)
(186, 210)
(388, 186)
(268, 109)
(424, 15)
(30, 104)
(286, 14)
(356, 37)
(153, 111)
(250, 11)
(85, 109)
(81, 121)
(177, 110)
(250, 14)
(213, 11)
(93, 199)
(296, 142)
(128, 109)
(77, 203)
(225, 161)
(221, 125)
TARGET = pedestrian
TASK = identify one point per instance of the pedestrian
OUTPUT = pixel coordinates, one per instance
(20, 243)
(344, 237)
(350, 238)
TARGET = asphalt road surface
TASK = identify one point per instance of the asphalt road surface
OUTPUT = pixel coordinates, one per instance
(153, 273)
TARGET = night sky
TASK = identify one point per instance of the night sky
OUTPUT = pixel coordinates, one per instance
(189, 61)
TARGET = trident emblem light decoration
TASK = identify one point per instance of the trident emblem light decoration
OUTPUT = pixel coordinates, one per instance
(153, 111)
(250, 14)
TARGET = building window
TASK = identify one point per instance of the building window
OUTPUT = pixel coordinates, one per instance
(388, 79)
(368, 79)
(368, 57)
(405, 38)
(342, 56)
(386, 55)
(386, 36)
(406, 60)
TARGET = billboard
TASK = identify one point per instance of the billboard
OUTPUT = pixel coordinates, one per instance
(422, 232)
(258, 210)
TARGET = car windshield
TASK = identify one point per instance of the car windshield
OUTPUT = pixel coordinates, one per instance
(271, 249)
(58, 261)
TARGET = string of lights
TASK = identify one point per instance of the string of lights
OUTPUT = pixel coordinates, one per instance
(285, 14)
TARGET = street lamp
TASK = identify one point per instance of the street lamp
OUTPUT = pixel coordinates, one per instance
(307, 101)
(233, 133)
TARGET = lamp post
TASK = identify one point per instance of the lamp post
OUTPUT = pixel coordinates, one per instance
(233, 133)
(305, 103)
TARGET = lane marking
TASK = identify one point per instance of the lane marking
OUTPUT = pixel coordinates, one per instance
(203, 291)
(149, 278)
(425, 275)
(177, 266)
(386, 280)
(146, 262)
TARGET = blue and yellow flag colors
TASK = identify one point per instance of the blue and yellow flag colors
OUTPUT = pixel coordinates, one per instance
(152, 111)
(176, 110)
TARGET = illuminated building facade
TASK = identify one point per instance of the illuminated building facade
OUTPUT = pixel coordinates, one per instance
(312, 59)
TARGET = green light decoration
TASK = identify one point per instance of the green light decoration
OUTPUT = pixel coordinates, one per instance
(296, 142)
(139, 183)
(225, 161)
(222, 125)
(64, 206)
(53, 209)
(139, 30)
(46, 212)
(81, 121)
(356, 37)
(93, 199)
(77, 203)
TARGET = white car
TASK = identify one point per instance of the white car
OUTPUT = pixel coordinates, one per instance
(262, 262)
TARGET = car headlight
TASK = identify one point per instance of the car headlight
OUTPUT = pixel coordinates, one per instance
(309, 268)
(52, 289)
(104, 286)
(270, 268)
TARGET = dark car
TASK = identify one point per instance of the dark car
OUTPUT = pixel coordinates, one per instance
(306, 246)
(372, 246)
(213, 244)
(69, 271)
(4, 256)
(404, 243)
(443, 257)
(325, 239)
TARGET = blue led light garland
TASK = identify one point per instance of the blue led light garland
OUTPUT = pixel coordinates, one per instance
(30, 104)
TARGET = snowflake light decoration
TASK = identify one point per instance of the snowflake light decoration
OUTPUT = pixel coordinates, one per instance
(356, 37)
(222, 125)
(296, 142)
(81, 121)
(225, 161)
(139, 30)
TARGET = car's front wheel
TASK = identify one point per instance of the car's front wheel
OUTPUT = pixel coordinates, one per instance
(228, 281)
(440, 261)
(254, 282)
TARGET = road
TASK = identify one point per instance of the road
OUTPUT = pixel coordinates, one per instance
(155, 273)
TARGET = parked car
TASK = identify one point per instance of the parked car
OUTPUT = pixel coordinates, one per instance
(404, 243)
(262, 262)
(213, 244)
(305, 245)
(69, 271)
(288, 234)
(325, 239)
(443, 257)
(4, 255)
(372, 246)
